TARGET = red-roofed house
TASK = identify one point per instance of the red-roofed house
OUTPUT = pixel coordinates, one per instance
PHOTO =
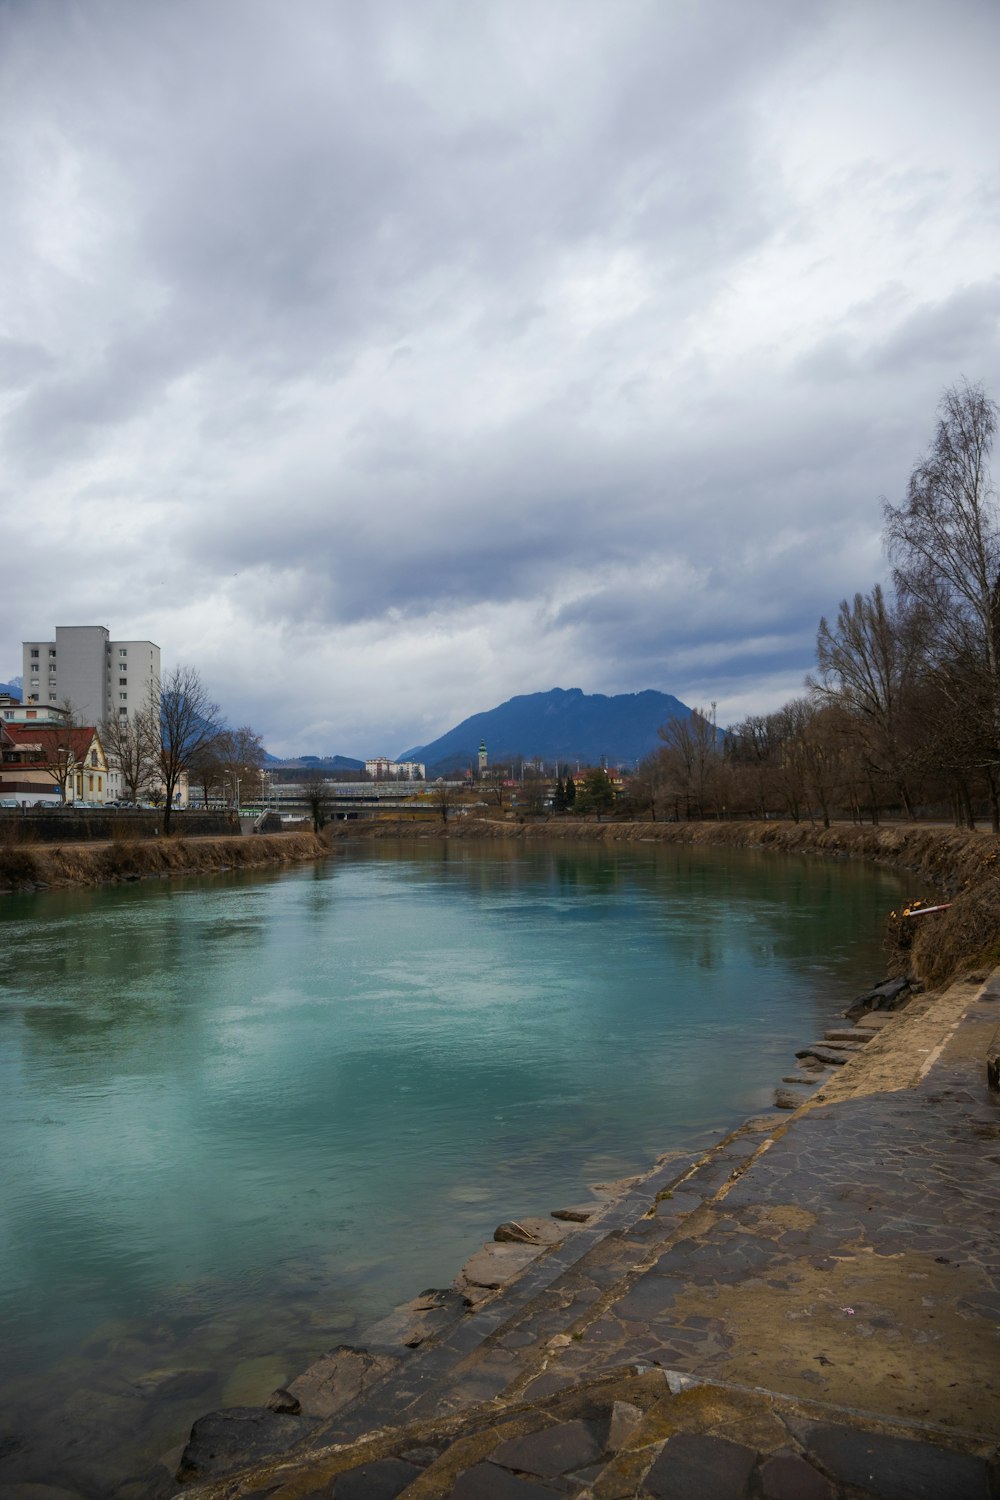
(52, 762)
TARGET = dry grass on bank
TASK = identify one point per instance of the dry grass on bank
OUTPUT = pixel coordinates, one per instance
(949, 863)
(967, 936)
(28, 866)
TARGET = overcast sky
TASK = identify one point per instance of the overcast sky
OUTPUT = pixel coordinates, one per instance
(386, 359)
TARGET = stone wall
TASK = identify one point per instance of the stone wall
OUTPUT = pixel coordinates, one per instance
(67, 825)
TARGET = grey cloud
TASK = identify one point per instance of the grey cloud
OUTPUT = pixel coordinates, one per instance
(965, 325)
(311, 319)
(943, 334)
(21, 363)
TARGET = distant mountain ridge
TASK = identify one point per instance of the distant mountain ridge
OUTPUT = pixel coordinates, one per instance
(565, 724)
(314, 762)
(13, 687)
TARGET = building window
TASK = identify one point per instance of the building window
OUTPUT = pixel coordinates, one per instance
(123, 711)
(34, 650)
(123, 682)
(122, 651)
(123, 697)
(52, 697)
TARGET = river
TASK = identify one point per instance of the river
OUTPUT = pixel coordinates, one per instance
(244, 1115)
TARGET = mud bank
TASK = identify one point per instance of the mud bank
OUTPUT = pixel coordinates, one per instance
(953, 863)
(35, 867)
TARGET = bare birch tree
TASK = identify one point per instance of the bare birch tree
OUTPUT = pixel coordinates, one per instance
(945, 543)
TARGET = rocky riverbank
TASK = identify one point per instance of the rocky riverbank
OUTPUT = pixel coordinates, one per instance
(806, 1309)
(34, 867)
(959, 864)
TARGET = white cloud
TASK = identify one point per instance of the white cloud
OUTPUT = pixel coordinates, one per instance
(386, 361)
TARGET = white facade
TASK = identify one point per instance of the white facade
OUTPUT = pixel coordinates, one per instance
(394, 770)
(102, 679)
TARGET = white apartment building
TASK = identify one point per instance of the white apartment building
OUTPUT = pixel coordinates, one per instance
(102, 679)
(383, 769)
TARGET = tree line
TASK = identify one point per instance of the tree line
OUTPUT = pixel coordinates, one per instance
(901, 715)
(182, 731)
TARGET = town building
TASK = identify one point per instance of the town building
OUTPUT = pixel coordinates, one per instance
(13, 711)
(99, 678)
(52, 761)
(382, 769)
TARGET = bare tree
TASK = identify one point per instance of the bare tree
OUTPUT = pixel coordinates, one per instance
(240, 756)
(748, 752)
(869, 661)
(206, 769)
(945, 543)
(493, 784)
(316, 795)
(692, 758)
(444, 796)
(62, 749)
(132, 747)
(190, 722)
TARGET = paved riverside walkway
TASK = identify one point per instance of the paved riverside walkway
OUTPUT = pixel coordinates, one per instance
(809, 1311)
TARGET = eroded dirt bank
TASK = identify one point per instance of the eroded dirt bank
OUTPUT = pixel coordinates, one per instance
(957, 864)
(30, 867)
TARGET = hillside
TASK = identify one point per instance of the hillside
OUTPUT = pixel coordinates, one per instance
(565, 724)
(328, 763)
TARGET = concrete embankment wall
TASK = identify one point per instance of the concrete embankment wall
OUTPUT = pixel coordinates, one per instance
(950, 863)
(26, 867)
(64, 825)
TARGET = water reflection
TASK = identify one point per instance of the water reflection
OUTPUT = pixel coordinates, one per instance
(243, 1114)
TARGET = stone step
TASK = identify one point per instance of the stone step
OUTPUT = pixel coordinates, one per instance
(351, 1392)
(847, 1034)
(834, 1057)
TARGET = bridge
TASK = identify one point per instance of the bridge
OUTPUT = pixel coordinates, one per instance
(364, 799)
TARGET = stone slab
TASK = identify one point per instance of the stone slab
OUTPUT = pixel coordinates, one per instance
(532, 1230)
(383, 1479)
(698, 1466)
(893, 1468)
(234, 1438)
(494, 1265)
(338, 1378)
(552, 1451)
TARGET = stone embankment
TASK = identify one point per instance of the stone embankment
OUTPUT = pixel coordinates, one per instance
(809, 1309)
(32, 867)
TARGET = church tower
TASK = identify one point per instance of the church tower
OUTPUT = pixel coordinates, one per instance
(482, 756)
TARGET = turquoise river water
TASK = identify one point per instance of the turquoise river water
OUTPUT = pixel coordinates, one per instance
(243, 1116)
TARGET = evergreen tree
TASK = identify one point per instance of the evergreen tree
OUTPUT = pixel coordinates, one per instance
(570, 793)
(559, 800)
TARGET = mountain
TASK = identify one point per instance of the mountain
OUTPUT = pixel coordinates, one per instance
(13, 687)
(314, 762)
(565, 724)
